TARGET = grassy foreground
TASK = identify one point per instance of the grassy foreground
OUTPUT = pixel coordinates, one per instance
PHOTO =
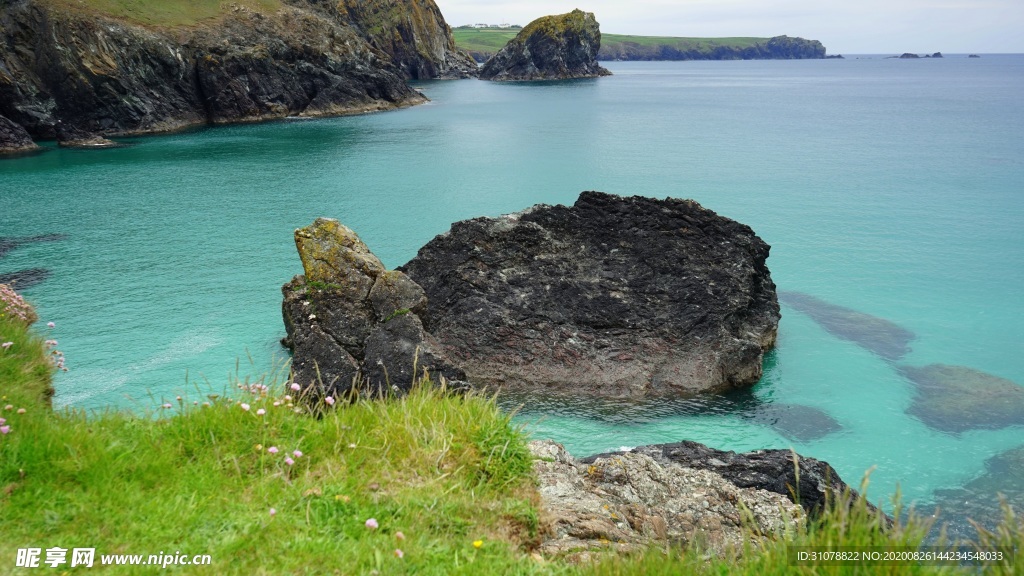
(431, 483)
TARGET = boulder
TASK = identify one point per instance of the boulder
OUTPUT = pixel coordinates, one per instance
(809, 482)
(14, 139)
(612, 296)
(980, 501)
(550, 48)
(957, 398)
(630, 501)
(353, 325)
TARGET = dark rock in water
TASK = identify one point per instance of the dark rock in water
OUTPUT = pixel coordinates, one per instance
(796, 422)
(14, 139)
(771, 470)
(956, 398)
(612, 296)
(11, 242)
(908, 55)
(973, 56)
(878, 335)
(23, 279)
(352, 324)
(937, 55)
(981, 499)
(550, 48)
(72, 137)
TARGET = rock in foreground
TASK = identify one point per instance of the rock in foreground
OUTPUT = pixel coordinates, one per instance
(351, 323)
(957, 398)
(630, 500)
(14, 139)
(612, 296)
(550, 48)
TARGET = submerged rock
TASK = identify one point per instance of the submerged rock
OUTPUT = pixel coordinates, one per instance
(805, 481)
(981, 500)
(956, 398)
(628, 501)
(550, 48)
(8, 243)
(795, 421)
(885, 338)
(612, 296)
(23, 279)
(351, 323)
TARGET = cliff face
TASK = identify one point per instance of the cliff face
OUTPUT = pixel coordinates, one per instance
(550, 48)
(414, 34)
(777, 48)
(69, 72)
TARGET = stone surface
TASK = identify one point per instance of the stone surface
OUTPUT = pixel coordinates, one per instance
(14, 139)
(957, 399)
(352, 325)
(777, 48)
(612, 296)
(628, 501)
(885, 338)
(550, 48)
(794, 421)
(79, 72)
(771, 470)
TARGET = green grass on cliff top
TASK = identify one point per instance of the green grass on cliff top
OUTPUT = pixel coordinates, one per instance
(165, 13)
(490, 40)
(446, 480)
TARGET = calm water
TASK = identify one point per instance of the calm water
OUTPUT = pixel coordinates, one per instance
(895, 188)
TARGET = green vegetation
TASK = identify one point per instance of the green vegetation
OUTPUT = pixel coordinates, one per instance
(483, 40)
(164, 13)
(612, 40)
(431, 483)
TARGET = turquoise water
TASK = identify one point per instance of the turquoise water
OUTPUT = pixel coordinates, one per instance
(895, 188)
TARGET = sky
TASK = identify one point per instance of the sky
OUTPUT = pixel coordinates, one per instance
(843, 26)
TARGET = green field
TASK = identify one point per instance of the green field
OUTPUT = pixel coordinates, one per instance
(487, 41)
(164, 13)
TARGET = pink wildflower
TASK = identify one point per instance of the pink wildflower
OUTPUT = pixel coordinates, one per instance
(5, 429)
(261, 412)
(399, 536)
(372, 524)
(297, 454)
(272, 450)
(21, 410)
(273, 512)
(245, 406)
(288, 460)
(6, 345)
(295, 386)
(167, 405)
(399, 553)
(329, 400)
(51, 325)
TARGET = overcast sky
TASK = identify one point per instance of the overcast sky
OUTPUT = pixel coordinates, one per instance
(843, 26)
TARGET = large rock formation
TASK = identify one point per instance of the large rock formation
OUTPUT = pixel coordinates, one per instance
(550, 48)
(612, 296)
(628, 501)
(351, 323)
(74, 70)
(414, 34)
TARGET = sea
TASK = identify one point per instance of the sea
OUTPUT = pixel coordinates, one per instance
(891, 192)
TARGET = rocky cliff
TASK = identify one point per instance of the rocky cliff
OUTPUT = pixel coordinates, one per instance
(414, 34)
(777, 48)
(70, 73)
(612, 296)
(550, 48)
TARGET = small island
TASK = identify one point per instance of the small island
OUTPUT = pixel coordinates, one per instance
(550, 48)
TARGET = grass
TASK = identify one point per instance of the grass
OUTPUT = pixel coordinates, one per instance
(164, 13)
(489, 41)
(446, 479)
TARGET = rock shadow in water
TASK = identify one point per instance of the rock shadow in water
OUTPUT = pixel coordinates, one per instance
(980, 499)
(11, 242)
(23, 279)
(957, 398)
(885, 338)
(793, 421)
